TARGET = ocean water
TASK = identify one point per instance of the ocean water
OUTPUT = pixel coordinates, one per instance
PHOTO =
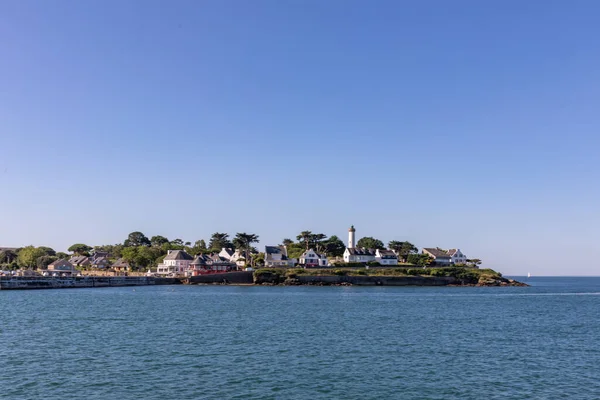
(232, 342)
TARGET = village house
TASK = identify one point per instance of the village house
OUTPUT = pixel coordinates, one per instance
(457, 256)
(175, 262)
(445, 257)
(80, 261)
(386, 257)
(61, 267)
(204, 264)
(354, 254)
(276, 256)
(310, 258)
(235, 256)
(121, 266)
(100, 263)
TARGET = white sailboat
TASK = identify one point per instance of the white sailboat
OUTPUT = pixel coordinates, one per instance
(529, 274)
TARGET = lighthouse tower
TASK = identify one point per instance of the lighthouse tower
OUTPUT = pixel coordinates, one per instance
(351, 237)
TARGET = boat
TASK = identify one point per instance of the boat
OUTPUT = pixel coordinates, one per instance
(529, 274)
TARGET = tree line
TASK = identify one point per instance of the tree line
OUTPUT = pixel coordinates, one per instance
(142, 252)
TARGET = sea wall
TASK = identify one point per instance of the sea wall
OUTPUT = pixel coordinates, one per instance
(276, 279)
(77, 282)
(241, 277)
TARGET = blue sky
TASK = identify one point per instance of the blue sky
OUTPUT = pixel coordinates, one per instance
(463, 124)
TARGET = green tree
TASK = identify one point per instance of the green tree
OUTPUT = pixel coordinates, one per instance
(43, 261)
(244, 242)
(47, 250)
(259, 259)
(200, 245)
(177, 242)
(62, 256)
(136, 239)
(317, 242)
(8, 256)
(370, 243)
(28, 256)
(476, 262)
(334, 247)
(80, 249)
(219, 241)
(287, 242)
(305, 236)
(158, 241)
(403, 249)
(422, 260)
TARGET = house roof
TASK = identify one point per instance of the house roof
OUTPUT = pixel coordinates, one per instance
(452, 252)
(387, 254)
(62, 261)
(228, 251)
(77, 259)
(437, 252)
(178, 255)
(273, 250)
(361, 251)
(314, 252)
(100, 260)
(121, 263)
(270, 250)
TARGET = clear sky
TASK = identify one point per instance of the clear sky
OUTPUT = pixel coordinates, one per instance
(469, 124)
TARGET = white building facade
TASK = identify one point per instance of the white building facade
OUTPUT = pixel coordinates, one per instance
(310, 258)
(176, 262)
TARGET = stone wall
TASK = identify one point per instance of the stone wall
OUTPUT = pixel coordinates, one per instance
(241, 277)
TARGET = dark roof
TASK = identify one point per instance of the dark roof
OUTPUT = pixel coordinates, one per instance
(228, 251)
(178, 255)
(273, 250)
(437, 252)
(452, 252)
(361, 251)
(200, 259)
(121, 263)
(77, 259)
(62, 261)
(100, 260)
(387, 254)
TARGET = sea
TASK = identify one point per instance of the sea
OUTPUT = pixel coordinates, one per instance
(303, 342)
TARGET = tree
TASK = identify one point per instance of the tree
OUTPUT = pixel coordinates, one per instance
(80, 249)
(158, 241)
(43, 261)
(200, 244)
(422, 260)
(370, 243)
(136, 239)
(334, 247)
(316, 241)
(305, 236)
(476, 262)
(259, 259)
(287, 242)
(47, 250)
(219, 241)
(244, 242)
(28, 256)
(8, 256)
(403, 249)
(177, 242)
(62, 255)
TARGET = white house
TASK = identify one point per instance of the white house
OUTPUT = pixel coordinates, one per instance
(386, 257)
(276, 256)
(445, 257)
(310, 258)
(353, 254)
(359, 254)
(175, 262)
(457, 256)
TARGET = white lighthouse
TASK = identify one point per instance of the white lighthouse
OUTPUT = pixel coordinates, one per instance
(351, 237)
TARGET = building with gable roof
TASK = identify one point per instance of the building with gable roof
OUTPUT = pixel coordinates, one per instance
(445, 257)
(277, 256)
(311, 258)
(176, 262)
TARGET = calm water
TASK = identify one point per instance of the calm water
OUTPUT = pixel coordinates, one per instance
(207, 342)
